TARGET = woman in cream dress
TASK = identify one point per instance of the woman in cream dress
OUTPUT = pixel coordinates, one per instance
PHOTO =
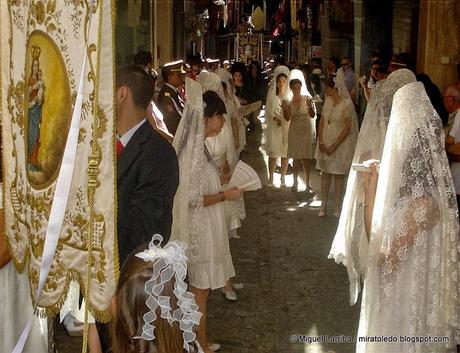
(300, 112)
(277, 125)
(338, 131)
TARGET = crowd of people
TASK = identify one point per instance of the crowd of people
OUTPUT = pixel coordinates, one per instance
(179, 141)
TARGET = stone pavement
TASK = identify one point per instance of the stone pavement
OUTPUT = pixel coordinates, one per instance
(290, 287)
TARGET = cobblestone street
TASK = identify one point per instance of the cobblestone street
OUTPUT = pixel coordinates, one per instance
(290, 287)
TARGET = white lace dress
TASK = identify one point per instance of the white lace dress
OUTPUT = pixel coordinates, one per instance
(339, 162)
(213, 265)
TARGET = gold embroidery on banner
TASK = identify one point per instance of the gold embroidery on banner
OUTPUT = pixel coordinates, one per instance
(99, 128)
(31, 210)
(114, 158)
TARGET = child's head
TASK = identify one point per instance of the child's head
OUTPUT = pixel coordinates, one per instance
(131, 302)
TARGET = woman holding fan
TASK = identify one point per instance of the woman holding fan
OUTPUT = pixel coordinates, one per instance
(199, 212)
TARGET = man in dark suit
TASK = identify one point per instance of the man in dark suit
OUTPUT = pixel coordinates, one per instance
(169, 101)
(147, 176)
(148, 171)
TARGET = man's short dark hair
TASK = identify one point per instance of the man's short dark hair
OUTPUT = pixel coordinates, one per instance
(139, 83)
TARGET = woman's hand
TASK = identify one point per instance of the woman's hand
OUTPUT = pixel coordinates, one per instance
(370, 184)
(224, 178)
(286, 112)
(327, 149)
(233, 194)
(331, 149)
(322, 147)
(370, 187)
(311, 107)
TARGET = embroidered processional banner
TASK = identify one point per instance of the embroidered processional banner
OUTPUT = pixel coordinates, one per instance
(249, 47)
(43, 46)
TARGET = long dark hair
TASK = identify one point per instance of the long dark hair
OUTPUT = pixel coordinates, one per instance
(130, 306)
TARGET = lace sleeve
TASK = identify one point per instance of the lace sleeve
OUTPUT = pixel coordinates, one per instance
(421, 216)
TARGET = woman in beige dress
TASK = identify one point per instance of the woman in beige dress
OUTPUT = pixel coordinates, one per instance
(336, 141)
(299, 111)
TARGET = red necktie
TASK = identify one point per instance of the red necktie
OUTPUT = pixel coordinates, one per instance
(120, 148)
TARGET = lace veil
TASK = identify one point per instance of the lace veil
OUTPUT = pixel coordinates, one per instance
(411, 286)
(350, 242)
(212, 82)
(226, 77)
(272, 106)
(343, 92)
(231, 101)
(395, 81)
(297, 75)
(189, 145)
(340, 83)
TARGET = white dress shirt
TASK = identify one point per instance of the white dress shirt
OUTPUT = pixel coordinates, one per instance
(128, 134)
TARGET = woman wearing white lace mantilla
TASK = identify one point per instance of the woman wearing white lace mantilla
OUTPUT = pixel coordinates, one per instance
(350, 242)
(411, 285)
(337, 133)
(199, 212)
(277, 125)
(299, 111)
(232, 103)
(224, 156)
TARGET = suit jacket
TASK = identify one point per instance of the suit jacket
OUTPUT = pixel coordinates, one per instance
(147, 180)
(171, 105)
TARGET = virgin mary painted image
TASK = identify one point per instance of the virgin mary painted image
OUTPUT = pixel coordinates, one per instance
(47, 114)
(36, 97)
